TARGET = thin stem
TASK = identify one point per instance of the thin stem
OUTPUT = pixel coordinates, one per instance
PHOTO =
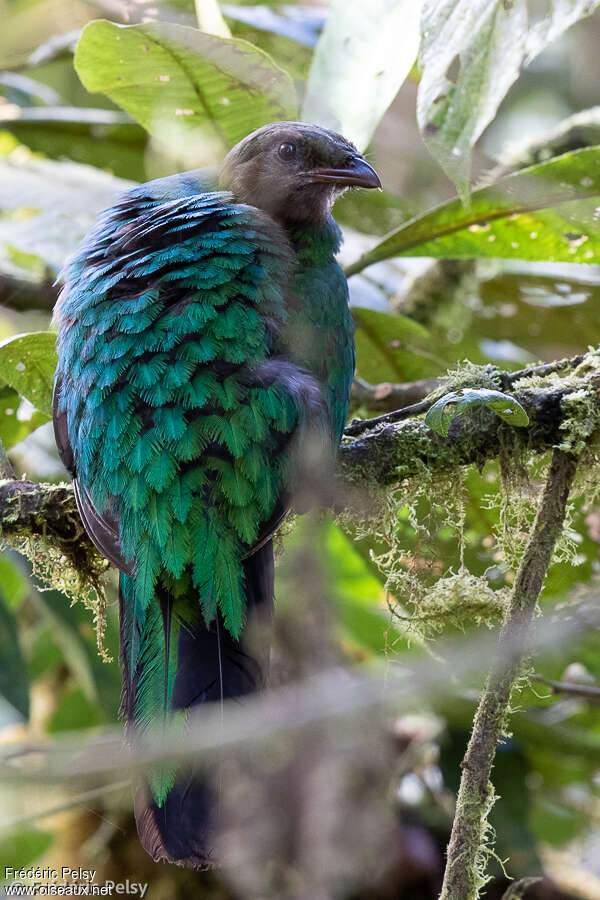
(588, 692)
(463, 878)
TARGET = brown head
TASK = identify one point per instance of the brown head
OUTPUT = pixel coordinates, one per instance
(295, 172)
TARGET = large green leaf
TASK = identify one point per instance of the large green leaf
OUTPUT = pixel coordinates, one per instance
(180, 83)
(14, 681)
(471, 53)
(27, 364)
(545, 212)
(363, 56)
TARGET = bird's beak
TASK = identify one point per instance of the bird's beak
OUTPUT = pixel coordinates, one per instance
(358, 173)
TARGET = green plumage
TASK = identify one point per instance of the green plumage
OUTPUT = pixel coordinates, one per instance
(206, 357)
(181, 429)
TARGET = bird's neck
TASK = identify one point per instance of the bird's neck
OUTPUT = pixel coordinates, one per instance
(315, 243)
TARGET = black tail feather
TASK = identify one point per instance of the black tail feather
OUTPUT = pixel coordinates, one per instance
(211, 666)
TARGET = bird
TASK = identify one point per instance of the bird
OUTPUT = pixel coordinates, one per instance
(205, 345)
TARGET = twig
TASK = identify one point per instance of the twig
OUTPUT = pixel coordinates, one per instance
(23, 295)
(388, 397)
(508, 379)
(588, 692)
(466, 850)
(516, 890)
(398, 415)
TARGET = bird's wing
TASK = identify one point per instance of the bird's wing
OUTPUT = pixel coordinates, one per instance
(173, 410)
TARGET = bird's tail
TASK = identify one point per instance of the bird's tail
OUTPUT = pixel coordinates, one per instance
(174, 663)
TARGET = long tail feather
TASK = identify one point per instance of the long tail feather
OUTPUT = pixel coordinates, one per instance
(209, 666)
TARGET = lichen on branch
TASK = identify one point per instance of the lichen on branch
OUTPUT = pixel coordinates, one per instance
(467, 850)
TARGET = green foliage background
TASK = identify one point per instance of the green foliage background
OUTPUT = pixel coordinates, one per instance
(165, 96)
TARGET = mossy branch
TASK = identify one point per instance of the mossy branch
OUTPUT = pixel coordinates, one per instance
(379, 458)
(466, 850)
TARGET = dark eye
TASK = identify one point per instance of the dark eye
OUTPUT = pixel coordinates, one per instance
(287, 151)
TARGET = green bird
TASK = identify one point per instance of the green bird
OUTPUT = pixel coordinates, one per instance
(205, 348)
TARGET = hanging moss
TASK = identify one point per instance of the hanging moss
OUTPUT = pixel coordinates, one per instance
(63, 560)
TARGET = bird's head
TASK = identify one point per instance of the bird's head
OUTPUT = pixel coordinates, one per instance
(295, 172)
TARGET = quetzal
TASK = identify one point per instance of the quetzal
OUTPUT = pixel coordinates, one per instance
(204, 338)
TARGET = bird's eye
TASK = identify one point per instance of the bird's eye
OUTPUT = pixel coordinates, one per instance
(287, 151)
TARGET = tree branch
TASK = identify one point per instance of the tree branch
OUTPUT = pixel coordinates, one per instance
(382, 457)
(390, 452)
(588, 692)
(466, 858)
(23, 295)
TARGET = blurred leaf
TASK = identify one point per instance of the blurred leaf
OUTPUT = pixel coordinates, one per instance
(14, 681)
(29, 88)
(210, 19)
(561, 15)
(13, 581)
(74, 711)
(57, 45)
(27, 364)
(71, 629)
(372, 212)
(361, 60)
(63, 114)
(43, 653)
(386, 345)
(358, 593)
(119, 148)
(454, 108)
(540, 213)
(300, 24)
(13, 430)
(21, 847)
(170, 76)
(554, 822)
(46, 208)
(457, 403)
(80, 658)
(471, 53)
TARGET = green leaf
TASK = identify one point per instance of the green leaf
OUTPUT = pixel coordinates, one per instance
(388, 347)
(74, 711)
(66, 629)
(21, 847)
(27, 364)
(364, 624)
(362, 58)
(119, 148)
(14, 681)
(456, 403)
(12, 429)
(180, 83)
(12, 578)
(488, 37)
(471, 53)
(546, 212)
(373, 212)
